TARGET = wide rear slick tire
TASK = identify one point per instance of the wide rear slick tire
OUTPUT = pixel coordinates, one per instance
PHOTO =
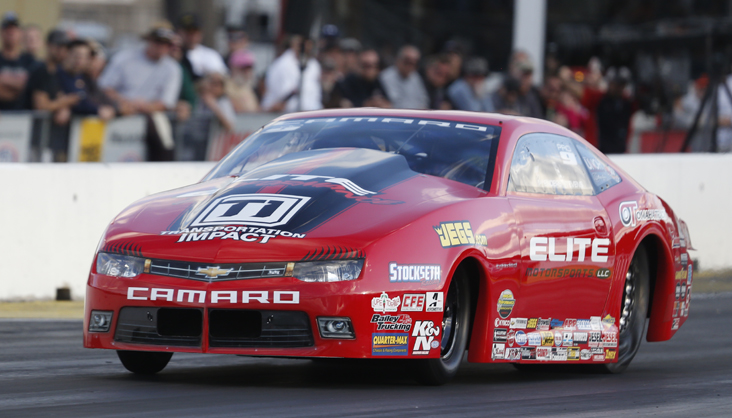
(144, 362)
(453, 336)
(633, 311)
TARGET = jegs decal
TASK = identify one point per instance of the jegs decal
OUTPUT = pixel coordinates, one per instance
(454, 234)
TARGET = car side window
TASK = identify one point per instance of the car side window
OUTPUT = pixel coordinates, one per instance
(603, 176)
(548, 164)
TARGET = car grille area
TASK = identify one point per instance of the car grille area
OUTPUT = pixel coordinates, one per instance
(232, 328)
(253, 329)
(160, 326)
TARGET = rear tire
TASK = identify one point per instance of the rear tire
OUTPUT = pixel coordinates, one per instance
(633, 312)
(144, 362)
(453, 334)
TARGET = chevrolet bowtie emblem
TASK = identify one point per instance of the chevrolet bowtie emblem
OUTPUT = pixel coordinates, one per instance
(213, 272)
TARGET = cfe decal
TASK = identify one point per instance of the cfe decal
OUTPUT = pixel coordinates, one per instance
(505, 303)
(543, 248)
(384, 304)
(425, 331)
(630, 214)
(454, 234)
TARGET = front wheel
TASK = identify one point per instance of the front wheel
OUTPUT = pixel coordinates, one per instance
(144, 362)
(633, 311)
(454, 336)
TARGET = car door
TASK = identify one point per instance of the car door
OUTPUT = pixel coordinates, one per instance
(566, 245)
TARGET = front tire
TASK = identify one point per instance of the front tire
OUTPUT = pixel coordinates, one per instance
(454, 336)
(144, 362)
(633, 311)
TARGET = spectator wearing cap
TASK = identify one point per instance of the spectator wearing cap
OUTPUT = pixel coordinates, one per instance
(436, 77)
(237, 39)
(614, 112)
(43, 91)
(15, 65)
(240, 88)
(402, 82)
(292, 82)
(74, 80)
(363, 88)
(146, 81)
(201, 59)
(470, 92)
(350, 48)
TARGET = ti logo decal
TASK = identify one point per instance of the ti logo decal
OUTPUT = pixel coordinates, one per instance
(627, 213)
(257, 209)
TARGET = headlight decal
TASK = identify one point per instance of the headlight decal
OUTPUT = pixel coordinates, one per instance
(328, 271)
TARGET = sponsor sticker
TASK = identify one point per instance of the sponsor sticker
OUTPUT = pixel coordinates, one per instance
(235, 233)
(543, 324)
(567, 339)
(570, 324)
(558, 338)
(543, 249)
(547, 338)
(506, 303)
(598, 357)
(401, 322)
(559, 354)
(528, 353)
(498, 351)
(534, 339)
(384, 303)
(595, 339)
(425, 333)
(556, 323)
(389, 344)
(580, 337)
(531, 323)
(573, 353)
(584, 324)
(595, 323)
(608, 321)
(435, 302)
(544, 353)
(500, 335)
(610, 339)
(585, 354)
(518, 323)
(413, 302)
(513, 354)
(603, 273)
(415, 273)
(502, 322)
(610, 354)
(457, 233)
(521, 338)
(675, 324)
(256, 209)
(511, 337)
(630, 214)
(214, 296)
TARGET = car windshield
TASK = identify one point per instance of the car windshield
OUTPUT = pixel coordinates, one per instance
(448, 149)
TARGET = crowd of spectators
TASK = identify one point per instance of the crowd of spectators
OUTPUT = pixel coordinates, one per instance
(173, 73)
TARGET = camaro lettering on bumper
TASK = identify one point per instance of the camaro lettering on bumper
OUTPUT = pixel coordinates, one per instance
(215, 296)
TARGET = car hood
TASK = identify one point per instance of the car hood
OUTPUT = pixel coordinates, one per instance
(307, 205)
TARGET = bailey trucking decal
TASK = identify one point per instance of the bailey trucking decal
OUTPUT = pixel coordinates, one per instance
(389, 344)
(457, 233)
(214, 296)
(505, 304)
(385, 304)
(544, 248)
(401, 322)
(415, 273)
(425, 333)
(630, 214)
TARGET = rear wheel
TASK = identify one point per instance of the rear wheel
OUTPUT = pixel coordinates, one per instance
(144, 362)
(633, 311)
(454, 336)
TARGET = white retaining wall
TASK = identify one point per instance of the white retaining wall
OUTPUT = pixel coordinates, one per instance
(52, 215)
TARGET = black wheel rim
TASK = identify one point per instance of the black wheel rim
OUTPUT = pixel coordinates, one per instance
(449, 321)
(628, 301)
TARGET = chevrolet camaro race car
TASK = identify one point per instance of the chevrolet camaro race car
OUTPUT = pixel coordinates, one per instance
(419, 235)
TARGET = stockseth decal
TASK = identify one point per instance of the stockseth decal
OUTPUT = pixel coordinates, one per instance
(505, 303)
(630, 214)
(256, 209)
(384, 304)
(425, 333)
(402, 322)
(413, 302)
(422, 273)
(435, 302)
(214, 296)
(454, 234)
(543, 249)
(389, 344)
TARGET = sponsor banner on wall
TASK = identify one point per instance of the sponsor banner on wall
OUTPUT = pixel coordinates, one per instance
(220, 143)
(119, 140)
(15, 137)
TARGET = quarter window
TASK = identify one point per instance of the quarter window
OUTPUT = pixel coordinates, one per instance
(603, 176)
(548, 164)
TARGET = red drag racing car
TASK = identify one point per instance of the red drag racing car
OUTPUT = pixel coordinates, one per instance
(368, 233)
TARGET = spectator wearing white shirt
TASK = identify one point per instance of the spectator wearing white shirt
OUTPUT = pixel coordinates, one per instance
(402, 82)
(200, 60)
(288, 86)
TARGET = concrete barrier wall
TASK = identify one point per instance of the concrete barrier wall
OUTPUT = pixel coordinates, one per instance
(52, 215)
